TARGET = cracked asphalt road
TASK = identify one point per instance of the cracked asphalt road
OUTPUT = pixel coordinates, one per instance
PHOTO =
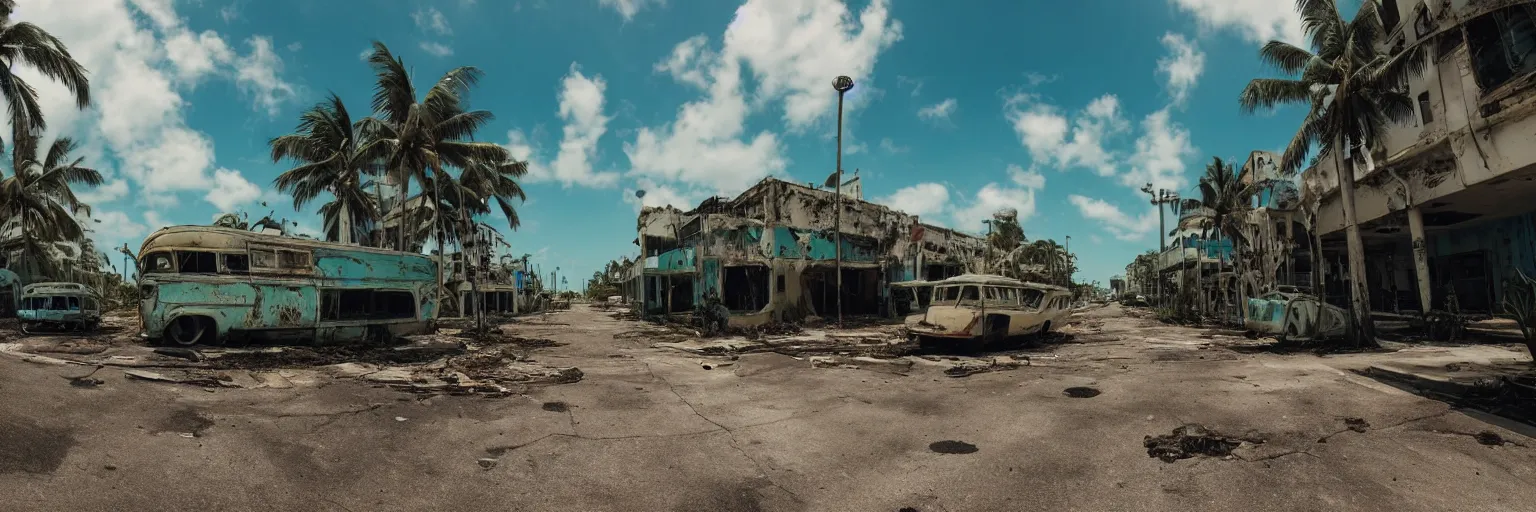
(650, 429)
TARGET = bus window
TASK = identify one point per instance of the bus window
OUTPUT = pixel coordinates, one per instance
(367, 305)
(159, 262)
(195, 262)
(1031, 298)
(293, 260)
(969, 295)
(74, 303)
(263, 259)
(237, 263)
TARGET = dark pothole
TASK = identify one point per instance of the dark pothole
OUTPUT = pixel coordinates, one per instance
(952, 447)
(1489, 438)
(1357, 424)
(1191, 440)
(556, 406)
(1080, 392)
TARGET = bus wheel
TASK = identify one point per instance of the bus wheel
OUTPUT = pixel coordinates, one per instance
(188, 330)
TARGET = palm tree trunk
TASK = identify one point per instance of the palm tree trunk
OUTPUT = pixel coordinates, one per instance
(1363, 329)
(378, 195)
(404, 183)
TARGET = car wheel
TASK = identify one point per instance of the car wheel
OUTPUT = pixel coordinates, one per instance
(187, 330)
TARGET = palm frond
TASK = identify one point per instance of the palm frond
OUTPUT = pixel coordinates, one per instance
(1266, 93)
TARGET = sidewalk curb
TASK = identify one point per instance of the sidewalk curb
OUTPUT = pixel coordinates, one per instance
(1447, 387)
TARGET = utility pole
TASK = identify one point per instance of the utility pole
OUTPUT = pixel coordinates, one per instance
(1068, 248)
(842, 84)
(1160, 197)
(986, 265)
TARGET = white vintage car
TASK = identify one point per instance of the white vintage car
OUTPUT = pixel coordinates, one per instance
(975, 309)
(1295, 316)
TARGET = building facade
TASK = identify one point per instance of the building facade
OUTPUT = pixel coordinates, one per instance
(1444, 200)
(770, 254)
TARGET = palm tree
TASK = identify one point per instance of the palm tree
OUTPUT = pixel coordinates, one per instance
(421, 137)
(331, 158)
(1354, 91)
(1226, 197)
(38, 202)
(27, 43)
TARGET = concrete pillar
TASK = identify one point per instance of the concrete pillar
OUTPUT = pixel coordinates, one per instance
(1420, 257)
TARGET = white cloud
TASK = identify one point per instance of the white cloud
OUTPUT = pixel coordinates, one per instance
(1258, 21)
(141, 58)
(1026, 179)
(905, 81)
(1182, 66)
(196, 55)
(938, 111)
(154, 221)
(295, 46)
(434, 48)
(116, 225)
(992, 198)
(890, 146)
(791, 47)
(581, 107)
(431, 20)
(1113, 220)
(922, 199)
(1052, 139)
(230, 190)
(628, 8)
(365, 54)
(662, 195)
(109, 191)
(257, 74)
(229, 13)
(1160, 154)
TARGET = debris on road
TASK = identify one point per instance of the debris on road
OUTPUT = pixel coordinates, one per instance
(178, 352)
(1190, 440)
(1357, 424)
(997, 364)
(488, 463)
(556, 407)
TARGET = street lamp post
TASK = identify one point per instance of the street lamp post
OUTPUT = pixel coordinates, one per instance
(986, 266)
(842, 84)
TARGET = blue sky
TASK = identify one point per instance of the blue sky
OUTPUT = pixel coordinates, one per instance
(1060, 110)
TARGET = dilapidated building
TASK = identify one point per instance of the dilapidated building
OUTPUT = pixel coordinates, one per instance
(1443, 200)
(770, 254)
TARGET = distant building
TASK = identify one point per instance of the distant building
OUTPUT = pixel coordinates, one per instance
(769, 254)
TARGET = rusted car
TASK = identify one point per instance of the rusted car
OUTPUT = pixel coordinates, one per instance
(59, 306)
(911, 299)
(975, 309)
(204, 285)
(1290, 315)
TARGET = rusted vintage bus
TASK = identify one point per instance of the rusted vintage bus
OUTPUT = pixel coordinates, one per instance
(202, 284)
(58, 306)
(974, 309)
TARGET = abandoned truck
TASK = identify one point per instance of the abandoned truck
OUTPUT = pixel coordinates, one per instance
(58, 306)
(973, 309)
(208, 285)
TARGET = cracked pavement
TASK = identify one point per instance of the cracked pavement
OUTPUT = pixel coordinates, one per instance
(650, 429)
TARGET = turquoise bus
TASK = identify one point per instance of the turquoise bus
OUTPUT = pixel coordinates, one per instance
(210, 285)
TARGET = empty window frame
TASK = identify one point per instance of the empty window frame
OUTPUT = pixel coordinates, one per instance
(264, 259)
(367, 304)
(1426, 116)
(293, 260)
(159, 262)
(236, 263)
(196, 262)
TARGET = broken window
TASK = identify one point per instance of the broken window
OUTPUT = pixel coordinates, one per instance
(970, 296)
(263, 259)
(237, 263)
(293, 260)
(367, 305)
(1031, 298)
(745, 288)
(780, 285)
(74, 303)
(1503, 45)
(196, 262)
(159, 262)
(1389, 15)
(1425, 116)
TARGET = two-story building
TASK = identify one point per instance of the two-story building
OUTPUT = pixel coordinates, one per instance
(770, 254)
(1444, 200)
